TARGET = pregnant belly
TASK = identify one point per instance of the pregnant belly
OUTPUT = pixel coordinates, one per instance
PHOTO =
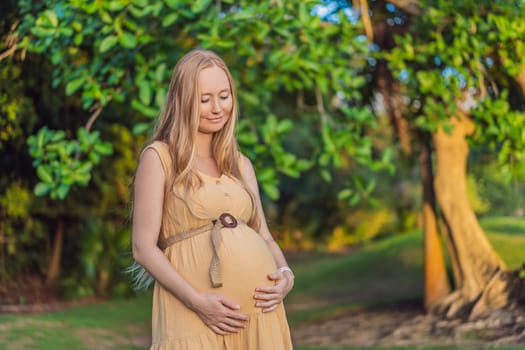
(246, 262)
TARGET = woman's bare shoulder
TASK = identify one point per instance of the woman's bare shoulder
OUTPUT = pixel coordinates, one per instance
(156, 155)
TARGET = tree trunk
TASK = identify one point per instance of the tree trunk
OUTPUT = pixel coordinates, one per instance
(389, 87)
(437, 285)
(454, 260)
(482, 287)
(53, 270)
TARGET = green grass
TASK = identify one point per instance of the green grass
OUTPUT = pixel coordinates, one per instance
(326, 285)
(117, 324)
(385, 271)
(507, 235)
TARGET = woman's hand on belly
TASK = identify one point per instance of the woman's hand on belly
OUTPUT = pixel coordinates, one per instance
(219, 313)
(269, 297)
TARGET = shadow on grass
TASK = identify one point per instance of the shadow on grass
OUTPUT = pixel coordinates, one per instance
(384, 272)
(504, 224)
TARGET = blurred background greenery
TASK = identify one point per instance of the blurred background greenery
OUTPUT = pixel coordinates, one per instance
(339, 101)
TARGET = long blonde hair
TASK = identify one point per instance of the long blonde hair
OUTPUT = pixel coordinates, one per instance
(178, 125)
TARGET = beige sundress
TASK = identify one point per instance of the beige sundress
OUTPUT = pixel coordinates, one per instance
(245, 262)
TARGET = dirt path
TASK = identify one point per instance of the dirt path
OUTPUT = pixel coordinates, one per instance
(405, 324)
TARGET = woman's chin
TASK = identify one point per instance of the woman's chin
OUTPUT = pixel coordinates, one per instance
(211, 128)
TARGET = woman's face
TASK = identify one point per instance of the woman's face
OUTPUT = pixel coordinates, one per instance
(216, 101)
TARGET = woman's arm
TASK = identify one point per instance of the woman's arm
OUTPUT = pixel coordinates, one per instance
(216, 311)
(269, 297)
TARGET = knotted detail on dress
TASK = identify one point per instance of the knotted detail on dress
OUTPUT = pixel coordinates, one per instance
(224, 220)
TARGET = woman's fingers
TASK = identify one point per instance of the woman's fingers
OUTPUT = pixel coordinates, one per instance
(227, 328)
(275, 276)
(237, 316)
(218, 330)
(220, 314)
(228, 303)
(268, 301)
(267, 296)
(267, 289)
(265, 304)
(232, 321)
(271, 308)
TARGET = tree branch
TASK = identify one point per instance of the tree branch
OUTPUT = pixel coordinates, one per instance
(96, 109)
(320, 105)
(11, 42)
(8, 52)
(369, 30)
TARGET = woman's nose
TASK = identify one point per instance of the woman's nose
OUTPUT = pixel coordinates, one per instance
(216, 106)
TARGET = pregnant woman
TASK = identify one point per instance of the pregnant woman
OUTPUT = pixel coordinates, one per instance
(198, 224)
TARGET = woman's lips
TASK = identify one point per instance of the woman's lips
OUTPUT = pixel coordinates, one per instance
(215, 119)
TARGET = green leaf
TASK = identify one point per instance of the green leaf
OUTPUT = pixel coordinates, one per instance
(159, 72)
(173, 4)
(44, 174)
(355, 199)
(104, 149)
(116, 5)
(42, 189)
(50, 18)
(327, 139)
(199, 5)
(242, 15)
(325, 174)
(127, 40)
(78, 39)
(83, 179)
(85, 168)
(94, 157)
(141, 128)
(271, 191)
(324, 159)
(345, 194)
(147, 111)
(291, 172)
(169, 19)
(266, 174)
(160, 97)
(371, 185)
(107, 43)
(247, 138)
(145, 92)
(284, 126)
(139, 3)
(62, 191)
(74, 85)
(57, 135)
(84, 139)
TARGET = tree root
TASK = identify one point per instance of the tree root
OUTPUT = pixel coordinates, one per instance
(506, 290)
